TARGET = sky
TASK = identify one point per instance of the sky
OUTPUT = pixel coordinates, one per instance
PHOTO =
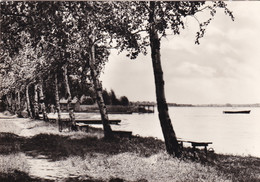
(224, 68)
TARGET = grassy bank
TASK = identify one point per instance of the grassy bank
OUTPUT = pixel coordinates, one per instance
(89, 157)
(14, 168)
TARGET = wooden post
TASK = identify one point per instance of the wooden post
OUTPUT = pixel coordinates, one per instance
(194, 148)
(206, 152)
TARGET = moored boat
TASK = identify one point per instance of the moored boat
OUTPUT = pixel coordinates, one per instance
(237, 112)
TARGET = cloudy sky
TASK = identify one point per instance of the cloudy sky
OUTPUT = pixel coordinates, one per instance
(224, 68)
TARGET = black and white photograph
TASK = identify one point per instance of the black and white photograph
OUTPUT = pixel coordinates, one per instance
(129, 91)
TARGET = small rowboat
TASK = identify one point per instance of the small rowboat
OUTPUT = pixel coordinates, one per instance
(237, 112)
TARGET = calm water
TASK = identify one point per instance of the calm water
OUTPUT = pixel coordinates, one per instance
(230, 133)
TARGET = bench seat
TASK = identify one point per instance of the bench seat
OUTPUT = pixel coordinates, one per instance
(195, 144)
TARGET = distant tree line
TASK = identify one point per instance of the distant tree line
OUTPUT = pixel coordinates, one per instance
(110, 98)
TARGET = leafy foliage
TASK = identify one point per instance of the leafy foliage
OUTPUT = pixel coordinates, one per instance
(110, 98)
(78, 36)
(59, 32)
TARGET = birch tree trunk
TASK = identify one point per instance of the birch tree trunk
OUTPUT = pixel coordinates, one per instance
(65, 73)
(18, 102)
(44, 113)
(98, 89)
(29, 110)
(171, 142)
(9, 102)
(13, 102)
(36, 103)
(57, 98)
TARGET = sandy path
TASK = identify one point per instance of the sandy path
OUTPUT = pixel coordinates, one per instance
(39, 166)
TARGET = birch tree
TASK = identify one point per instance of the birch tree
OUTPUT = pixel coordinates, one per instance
(92, 49)
(52, 24)
(138, 25)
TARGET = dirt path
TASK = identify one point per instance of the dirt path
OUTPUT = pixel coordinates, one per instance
(39, 166)
(42, 167)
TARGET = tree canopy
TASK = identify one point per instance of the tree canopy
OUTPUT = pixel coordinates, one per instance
(142, 24)
(57, 34)
(70, 42)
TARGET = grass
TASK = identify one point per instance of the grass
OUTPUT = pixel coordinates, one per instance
(237, 168)
(132, 167)
(57, 147)
(12, 162)
(140, 158)
(93, 158)
(18, 176)
(14, 168)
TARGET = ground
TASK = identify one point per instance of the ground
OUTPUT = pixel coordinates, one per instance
(33, 150)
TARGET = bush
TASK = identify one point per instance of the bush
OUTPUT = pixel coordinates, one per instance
(124, 101)
(88, 101)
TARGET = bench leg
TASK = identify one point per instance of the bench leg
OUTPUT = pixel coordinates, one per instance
(60, 126)
(181, 145)
(194, 148)
(206, 152)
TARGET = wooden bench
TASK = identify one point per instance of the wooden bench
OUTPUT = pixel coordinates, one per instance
(82, 127)
(82, 123)
(96, 121)
(196, 144)
(85, 121)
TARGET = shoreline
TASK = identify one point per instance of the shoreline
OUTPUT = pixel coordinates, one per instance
(199, 124)
(39, 139)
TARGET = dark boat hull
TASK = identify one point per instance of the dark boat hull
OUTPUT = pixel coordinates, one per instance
(237, 112)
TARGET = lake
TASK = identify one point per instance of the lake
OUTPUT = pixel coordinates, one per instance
(230, 133)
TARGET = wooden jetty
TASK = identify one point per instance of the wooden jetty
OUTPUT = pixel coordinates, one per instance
(146, 108)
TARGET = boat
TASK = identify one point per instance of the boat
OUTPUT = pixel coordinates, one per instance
(237, 112)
